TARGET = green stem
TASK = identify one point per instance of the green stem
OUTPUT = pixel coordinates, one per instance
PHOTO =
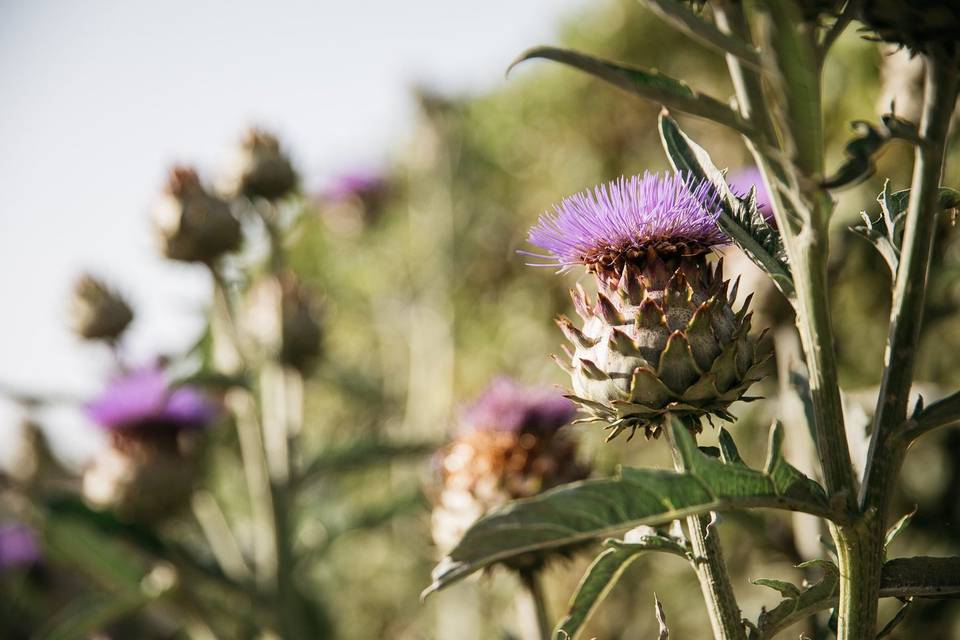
(906, 314)
(534, 588)
(807, 245)
(861, 547)
(722, 607)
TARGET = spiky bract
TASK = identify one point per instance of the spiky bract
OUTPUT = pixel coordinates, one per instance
(661, 341)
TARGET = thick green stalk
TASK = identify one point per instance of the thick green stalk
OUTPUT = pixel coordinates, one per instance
(807, 245)
(906, 315)
(863, 546)
(722, 607)
(538, 601)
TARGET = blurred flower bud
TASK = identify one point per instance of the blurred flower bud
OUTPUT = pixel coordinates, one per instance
(98, 312)
(154, 458)
(284, 319)
(509, 446)
(264, 169)
(354, 200)
(195, 225)
(19, 548)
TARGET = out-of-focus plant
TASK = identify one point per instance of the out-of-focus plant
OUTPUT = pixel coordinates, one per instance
(660, 348)
(155, 519)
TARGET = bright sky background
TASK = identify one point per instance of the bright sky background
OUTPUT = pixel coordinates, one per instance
(100, 97)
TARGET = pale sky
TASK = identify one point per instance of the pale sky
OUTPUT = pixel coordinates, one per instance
(100, 97)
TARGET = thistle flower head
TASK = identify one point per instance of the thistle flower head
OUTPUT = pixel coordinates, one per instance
(355, 184)
(510, 446)
(144, 400)
(18, 547)
(631, 221)
(153, 464)
(510, 407)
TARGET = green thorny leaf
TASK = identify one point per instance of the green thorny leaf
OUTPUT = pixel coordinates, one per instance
(740, 219)
(861, 151)
(900, 578)
(605, 570)
(649, 84)
(886, 233)
(593, 509)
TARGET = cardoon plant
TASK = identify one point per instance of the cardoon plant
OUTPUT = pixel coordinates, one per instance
(151, 464)
(661, 348)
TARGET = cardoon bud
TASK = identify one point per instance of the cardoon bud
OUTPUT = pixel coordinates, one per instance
(194, 224)
(264, 169)
(662, 336)
(510, 445)
(98, 312)
(153, 461)
(354, 200)
(923, 26)
(284, 319)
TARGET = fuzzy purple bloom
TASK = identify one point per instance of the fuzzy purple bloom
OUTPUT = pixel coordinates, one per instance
(357, 184)
(742, 180)
(506, 405)
(18, 547)
(624, 219)
(144, 397)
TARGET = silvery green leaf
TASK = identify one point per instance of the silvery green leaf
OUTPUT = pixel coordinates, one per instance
(646, 83)
(886, 233)
(739, 218)
(898, 527)
(602, 575)
(594, 509)
(900, 578)
(678, 14)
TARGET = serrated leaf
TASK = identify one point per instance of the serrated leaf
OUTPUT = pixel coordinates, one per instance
(678, 14)
(860, 152)
(646, 83)
(800, 605)
(786, 589)
(900, 578)
(593, 509)
(601, 576)
(886, 233)
(739, 218)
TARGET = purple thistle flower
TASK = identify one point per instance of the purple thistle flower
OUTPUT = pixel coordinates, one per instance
(505, 405)
(18, 546)
(742, 180)
(357, 184)
(673, 215)
(144, 398)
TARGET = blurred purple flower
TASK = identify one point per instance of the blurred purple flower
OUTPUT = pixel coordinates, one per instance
(673, 214)
(742, 180)
(506, 405)
(144, 397)
(18, 546)
(356, 184)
